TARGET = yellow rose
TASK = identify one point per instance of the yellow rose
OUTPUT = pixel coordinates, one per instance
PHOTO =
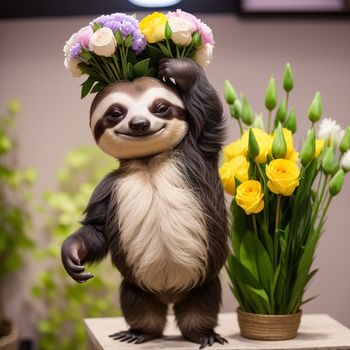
(236, 167)
(319, 146)
(250, 197)
(153, 27)
(283, 176)
(234, 149)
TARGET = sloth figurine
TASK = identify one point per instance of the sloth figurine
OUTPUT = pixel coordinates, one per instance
(162, 214)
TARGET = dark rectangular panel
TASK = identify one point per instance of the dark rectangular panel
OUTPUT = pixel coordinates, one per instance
(47, 8)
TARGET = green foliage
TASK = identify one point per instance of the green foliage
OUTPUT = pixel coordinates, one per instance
(66, 302)
(14, 192)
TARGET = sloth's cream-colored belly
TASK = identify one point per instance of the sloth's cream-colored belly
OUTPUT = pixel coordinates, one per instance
(162, 227)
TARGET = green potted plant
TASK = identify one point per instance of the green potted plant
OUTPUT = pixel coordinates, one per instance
(14, 218)
(65, 303)
(279, 205)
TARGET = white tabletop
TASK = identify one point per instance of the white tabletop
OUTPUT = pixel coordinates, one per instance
(317, 331)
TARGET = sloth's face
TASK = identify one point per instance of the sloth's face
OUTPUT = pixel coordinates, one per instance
(137, 119)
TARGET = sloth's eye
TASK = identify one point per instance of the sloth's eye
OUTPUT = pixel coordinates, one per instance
(161, 108)
(115, 114)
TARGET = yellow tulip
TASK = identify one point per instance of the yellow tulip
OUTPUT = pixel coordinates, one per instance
(236, 167)
(153, 27)
(250, 197)
(283, 176)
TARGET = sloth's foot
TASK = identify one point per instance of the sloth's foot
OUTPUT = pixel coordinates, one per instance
(132, 336)
(210, 338)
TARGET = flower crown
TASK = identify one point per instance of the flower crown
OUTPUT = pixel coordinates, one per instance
(118, 47)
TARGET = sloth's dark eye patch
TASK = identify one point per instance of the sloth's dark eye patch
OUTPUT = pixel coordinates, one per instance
(166, 110)
(115, 114)
(161, 108)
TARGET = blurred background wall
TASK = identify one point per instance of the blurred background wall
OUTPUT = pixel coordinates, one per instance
(54, 119)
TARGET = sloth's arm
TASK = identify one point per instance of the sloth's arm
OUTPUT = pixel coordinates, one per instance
(205, 113)
(89, 244)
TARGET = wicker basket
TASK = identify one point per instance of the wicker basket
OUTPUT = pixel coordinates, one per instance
(268, 327)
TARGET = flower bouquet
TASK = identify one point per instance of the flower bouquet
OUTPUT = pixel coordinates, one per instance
(118, 47)
(279, 205)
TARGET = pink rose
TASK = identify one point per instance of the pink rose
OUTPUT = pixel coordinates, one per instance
(84, 35)
(205, 32)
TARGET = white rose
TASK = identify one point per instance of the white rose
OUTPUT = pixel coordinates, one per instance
(204, 55)
(345, 161)
(102, 42)
(72, 66)
(182, 30)
(69, 43)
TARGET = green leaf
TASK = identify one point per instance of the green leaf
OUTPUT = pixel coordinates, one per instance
(86, 86)
(130, 71)
(164, 50)
(154, 52)
(141, 67)
(239, 226)
(97, 87)
(259, 262)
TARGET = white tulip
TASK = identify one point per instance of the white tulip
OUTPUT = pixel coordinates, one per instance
(102, 42)
(330, 130)
(204, 55)
(181, 29)
(345, 161)
(71, 65)
(69, 43)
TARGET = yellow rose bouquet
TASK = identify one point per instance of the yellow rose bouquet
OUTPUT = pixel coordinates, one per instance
(280, 198)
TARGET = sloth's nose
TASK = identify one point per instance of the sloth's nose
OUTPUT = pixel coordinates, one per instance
(139, 124)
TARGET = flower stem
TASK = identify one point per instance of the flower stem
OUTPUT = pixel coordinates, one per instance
(317, 207)
(169, 48)
(275, 237)
(254, 224)
(324, 213)
(240, 126)
(268, 121)
(287, 100)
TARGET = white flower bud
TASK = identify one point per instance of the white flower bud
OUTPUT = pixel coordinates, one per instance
(345, 161)
(102, 42)
(204, 55)
(71, 65)
(181, 29)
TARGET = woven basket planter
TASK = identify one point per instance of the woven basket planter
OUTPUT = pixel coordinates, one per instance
(268, 327)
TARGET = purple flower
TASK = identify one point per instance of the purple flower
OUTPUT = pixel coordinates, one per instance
(102, 19)
(75, 51)
(127, 25)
